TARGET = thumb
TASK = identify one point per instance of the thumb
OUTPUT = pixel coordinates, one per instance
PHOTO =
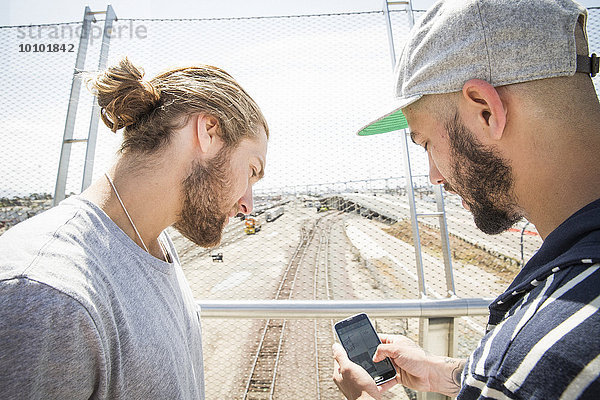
(383, 351)
(339, 353)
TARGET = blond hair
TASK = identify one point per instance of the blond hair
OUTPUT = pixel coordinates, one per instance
(150, 110)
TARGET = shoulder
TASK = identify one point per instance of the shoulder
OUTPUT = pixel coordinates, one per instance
(551, 336)
(66, 251)
(65, 228)
(58, 247)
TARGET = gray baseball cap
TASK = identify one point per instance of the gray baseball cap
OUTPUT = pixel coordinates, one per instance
(499, 41)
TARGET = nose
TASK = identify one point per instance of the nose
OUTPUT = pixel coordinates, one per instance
(435, 176)
(245, 204)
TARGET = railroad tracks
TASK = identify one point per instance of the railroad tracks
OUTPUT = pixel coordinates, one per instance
(309, 258)
(261, 382)
(323, 329)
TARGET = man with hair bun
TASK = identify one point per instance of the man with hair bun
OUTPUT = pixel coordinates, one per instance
(498, 93)
(93, 300)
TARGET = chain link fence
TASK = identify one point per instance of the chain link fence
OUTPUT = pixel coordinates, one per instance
(331, 219)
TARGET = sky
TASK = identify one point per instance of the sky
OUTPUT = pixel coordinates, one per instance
(25, 12)
(313, 77)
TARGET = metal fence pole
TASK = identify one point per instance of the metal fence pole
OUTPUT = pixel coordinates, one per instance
(438, 336)
(65, 152)
(439, 199)
(413, 215)
(90, 152)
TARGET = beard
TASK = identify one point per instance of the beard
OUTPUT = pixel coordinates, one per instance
(483, 179)
(202, 218)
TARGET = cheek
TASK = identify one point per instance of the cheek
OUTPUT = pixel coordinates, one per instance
(441, 159)
(440, 165)
(238, 188)
(434, 161)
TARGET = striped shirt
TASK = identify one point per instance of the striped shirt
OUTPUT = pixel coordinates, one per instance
(543, 339)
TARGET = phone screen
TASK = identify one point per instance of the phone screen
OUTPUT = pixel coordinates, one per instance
(359, 339)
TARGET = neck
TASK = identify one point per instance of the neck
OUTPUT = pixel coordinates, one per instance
(149, 197)
(561, 176)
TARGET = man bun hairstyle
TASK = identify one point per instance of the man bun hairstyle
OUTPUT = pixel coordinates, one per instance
(123, 95)
(150, 110)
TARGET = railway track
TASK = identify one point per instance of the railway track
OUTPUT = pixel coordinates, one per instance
(305, 277)
(261, 381)
(323, 329)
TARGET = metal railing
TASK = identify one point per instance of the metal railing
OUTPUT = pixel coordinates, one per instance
(315, 309)
(437, 326)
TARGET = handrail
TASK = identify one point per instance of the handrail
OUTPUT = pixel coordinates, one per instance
(310, 309)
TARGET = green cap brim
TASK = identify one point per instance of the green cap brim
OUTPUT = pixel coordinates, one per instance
(388, 123)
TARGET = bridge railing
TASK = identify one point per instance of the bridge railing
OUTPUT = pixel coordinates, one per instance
(437, 326)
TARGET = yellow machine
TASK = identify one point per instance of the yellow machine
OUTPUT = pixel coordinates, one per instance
(322, 207)
(252, 226)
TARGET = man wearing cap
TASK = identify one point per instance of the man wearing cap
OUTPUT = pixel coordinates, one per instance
(499, 94)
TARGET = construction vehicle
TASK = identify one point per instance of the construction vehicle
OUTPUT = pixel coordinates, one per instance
(322, 207)
(252, 226)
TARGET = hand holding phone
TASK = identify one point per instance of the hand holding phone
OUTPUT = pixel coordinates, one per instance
(359, 339)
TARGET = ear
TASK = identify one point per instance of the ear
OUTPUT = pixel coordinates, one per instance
(207, 133)
(483, 108)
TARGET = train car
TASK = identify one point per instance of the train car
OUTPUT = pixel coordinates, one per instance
(274, 214)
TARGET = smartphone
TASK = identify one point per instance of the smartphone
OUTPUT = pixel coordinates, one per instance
(359, 339)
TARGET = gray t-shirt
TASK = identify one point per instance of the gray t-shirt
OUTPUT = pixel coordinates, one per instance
(86, 313)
